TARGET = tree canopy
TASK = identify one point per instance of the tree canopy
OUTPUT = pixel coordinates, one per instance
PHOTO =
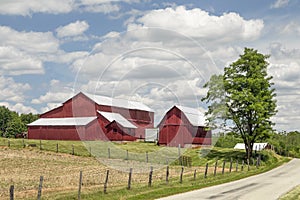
(12, 124)
(243, 98)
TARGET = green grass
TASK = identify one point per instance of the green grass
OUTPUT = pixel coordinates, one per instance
(137, 151)
(161, 189)
(293, 194)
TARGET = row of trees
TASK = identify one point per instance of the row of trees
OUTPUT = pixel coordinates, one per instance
(12, 124)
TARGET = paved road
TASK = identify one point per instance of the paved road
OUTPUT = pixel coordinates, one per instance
(267, 186)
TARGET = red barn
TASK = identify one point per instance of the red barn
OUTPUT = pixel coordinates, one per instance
(184, 126)
(84, 117)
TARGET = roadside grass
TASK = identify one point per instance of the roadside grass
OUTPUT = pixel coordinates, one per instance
(22, 166)
(161, 189)
(293, 194)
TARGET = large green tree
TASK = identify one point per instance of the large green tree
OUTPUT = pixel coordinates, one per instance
(243, 98)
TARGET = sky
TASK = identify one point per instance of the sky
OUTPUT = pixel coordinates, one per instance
(158, 52)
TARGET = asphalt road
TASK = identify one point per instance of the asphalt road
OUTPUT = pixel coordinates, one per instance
(267, 186)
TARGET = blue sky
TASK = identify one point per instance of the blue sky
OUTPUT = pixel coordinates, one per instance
(157, 52)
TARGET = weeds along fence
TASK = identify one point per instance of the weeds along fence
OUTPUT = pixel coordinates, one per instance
(82, 180)
(107, 181)
(98, 149)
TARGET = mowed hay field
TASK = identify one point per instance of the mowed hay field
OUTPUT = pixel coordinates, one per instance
(23, 168)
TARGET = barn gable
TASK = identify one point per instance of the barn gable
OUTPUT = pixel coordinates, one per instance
(184, 126)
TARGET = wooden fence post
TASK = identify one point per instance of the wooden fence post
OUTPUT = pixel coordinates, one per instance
(80, 183)
(237, 165)
(223, 168)
(40, 144)
(206, 169)
(242, 167)
(150, 177)
(127, 156)
(129, 179)
(56, 147)
(215, 170)
(179, 155)
(181, 175)
(167, 175)
(11, 192)
(108, 150)
(230, 167)
(73, 149)
(195, 173)
(90, 150)
(8, 143)
(40, 188)
(257, 162)
(106, 181)
(23, 142)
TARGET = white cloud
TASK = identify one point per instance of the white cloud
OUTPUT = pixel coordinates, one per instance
(12, 91)
(31, 42)
(199, 24)
(28, 7)
(73, 29)
(280, 3)
(19, 108)
(102, 8)
(15, 62)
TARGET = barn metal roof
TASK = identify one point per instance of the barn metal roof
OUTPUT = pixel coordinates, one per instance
(256, 146)
(196, 117)
(118, 118)
(69, 121)
(122, 103)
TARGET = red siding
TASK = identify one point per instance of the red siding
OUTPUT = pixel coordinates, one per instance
(117, 133)
(81, 106)
(175, 129)
(92, 131)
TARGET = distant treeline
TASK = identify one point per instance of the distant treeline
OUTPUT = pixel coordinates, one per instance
(284, 143)
(13, 124)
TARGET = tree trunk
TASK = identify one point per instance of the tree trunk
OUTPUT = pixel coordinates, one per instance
(249, 148)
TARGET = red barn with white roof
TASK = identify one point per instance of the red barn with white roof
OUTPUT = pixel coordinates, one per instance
(183, 126)
(89, 117)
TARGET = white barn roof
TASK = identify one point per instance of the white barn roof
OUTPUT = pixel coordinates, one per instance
(69, 121)
(118, 118)
(196, 117)
(256, 146)
(122, 103)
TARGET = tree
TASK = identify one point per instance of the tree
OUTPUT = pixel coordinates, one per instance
(14, 127)
(28, 118)
(5, 116)
(243, 98)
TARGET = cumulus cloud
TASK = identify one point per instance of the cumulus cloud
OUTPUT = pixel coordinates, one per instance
(32, 42)
(12, 91)
(29, 7)
(280, 3)
(200, 24)
(73, 29)
(285, 67)
(25, 8)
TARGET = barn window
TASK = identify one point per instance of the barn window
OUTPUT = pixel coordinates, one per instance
(115, 130)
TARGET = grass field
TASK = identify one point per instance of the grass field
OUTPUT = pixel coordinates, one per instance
(293, 194)
(22, 165)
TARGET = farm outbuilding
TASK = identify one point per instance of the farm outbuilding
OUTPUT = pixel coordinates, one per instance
(93, 117)
(256, 146)
(183, 126)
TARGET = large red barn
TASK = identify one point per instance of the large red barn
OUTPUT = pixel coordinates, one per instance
(89, 117)
(183, 126)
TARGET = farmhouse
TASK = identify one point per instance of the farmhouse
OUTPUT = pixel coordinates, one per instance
(93, 117)
(183, 126)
